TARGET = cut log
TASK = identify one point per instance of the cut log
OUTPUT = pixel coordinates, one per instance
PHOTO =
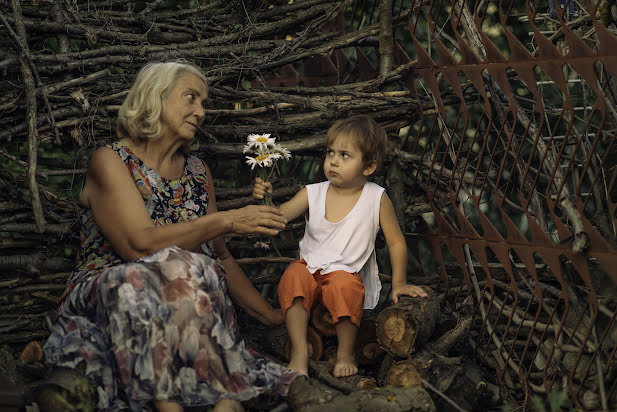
(315, 345)
(368, 351)
(360, 382)
(308, 395)
(386, 364)
(322, 320)
(408, 324)
(403, 373)
(32, 352)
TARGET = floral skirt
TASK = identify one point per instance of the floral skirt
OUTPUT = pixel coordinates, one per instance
(160, 328)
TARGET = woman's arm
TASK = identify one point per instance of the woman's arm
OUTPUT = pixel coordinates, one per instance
(398, 251)
(240, 287)
(120, 213)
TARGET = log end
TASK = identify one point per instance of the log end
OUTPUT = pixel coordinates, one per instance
(404, 374)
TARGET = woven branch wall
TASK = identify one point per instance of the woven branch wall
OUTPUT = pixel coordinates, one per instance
(501, 118)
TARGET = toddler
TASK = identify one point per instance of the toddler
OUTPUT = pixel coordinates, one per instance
(337, 265)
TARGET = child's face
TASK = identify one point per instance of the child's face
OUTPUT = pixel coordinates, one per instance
(344, 165)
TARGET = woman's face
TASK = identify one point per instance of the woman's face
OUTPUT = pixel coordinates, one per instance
(183, 110)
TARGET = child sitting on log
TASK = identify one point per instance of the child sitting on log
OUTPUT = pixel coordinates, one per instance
(337, 265)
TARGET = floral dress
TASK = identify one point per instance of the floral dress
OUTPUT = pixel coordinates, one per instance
(162, 327)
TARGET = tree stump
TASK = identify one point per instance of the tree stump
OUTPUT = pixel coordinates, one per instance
(408, 324)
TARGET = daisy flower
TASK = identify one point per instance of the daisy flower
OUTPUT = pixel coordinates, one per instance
(263, 159)
(283, 151)
(265, 152)
(258, 141)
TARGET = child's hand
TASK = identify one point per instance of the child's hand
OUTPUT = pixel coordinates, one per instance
(261, 188)
(407, 290)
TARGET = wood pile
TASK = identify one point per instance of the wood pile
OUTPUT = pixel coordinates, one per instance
(411, 344)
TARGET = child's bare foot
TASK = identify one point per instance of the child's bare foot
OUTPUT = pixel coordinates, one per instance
(298, 360)
(345, 366)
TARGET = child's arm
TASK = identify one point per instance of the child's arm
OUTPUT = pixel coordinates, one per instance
(398, 251)
(291, 209)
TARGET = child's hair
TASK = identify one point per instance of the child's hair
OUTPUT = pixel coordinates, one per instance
(365, 132)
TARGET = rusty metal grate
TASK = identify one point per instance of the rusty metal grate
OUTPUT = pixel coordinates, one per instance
(512, 151)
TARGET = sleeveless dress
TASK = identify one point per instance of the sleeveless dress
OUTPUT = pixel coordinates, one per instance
(162, 327)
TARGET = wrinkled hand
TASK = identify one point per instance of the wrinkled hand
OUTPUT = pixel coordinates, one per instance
(261, 188)
(252, 219)
(407, 290)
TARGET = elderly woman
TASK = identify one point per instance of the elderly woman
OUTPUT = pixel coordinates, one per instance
(146, 310)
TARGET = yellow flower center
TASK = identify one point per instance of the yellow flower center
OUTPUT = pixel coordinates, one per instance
(262, 139)
(262, 157)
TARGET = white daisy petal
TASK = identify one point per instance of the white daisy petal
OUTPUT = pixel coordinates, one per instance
(251, 161)
(283, 151)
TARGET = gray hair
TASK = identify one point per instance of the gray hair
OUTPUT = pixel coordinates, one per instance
(139, 116)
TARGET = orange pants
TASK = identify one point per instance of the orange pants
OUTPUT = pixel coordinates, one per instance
(341, 293)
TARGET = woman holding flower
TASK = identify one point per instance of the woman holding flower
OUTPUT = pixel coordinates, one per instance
(146, 310)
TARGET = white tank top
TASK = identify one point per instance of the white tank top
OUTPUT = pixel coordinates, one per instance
(347, 245)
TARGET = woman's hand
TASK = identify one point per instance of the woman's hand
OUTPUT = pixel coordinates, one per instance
(261, 188)
(251, 219)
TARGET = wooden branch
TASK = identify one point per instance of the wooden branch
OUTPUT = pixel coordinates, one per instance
(56, 229)
(151, 6)
(80, 81)
(35, 264)
(20, 37)
(23, 337)
(386, 37)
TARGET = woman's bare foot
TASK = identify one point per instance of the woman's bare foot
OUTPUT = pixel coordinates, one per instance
(228, 405)
(345, 366)
(167, 406)
(298, 360)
